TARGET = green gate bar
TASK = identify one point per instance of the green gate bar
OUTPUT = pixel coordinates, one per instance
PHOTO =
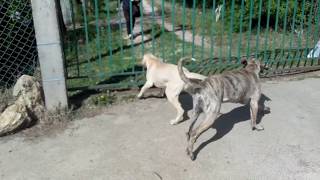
(213, 19)
(258, 32)
(240, 33)
(279, 33)
(265, 59)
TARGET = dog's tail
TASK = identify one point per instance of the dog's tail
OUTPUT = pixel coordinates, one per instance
(188, 81)
(181, 73)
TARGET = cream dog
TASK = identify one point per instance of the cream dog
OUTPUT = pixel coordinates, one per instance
(164, 75)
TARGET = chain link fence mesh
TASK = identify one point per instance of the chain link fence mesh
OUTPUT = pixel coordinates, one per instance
(18, 51)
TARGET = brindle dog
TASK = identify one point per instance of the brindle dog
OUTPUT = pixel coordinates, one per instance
(239, 86)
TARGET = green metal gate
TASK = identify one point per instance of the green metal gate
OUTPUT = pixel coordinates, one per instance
(217, 33)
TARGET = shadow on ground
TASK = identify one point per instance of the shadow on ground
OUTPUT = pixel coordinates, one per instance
(224, 124)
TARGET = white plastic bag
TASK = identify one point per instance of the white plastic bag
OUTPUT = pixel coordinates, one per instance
(315, 52)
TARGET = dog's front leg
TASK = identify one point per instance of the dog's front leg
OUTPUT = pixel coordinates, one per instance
(172, 94)
(146, 86)
(254, 113)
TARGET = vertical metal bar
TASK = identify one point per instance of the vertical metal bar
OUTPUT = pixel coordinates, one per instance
(141, 27)
(267, 33)
(75, 38)
(173, 29)
(98, 43)
(213, 20)
(222, 32)
(120, 28)
(183, 26)
(153, 24)
(240, 33)
(202, 27)
(308, 32)
(301, 29)
(284, 33)
(275, 32)
(131, 38)
(193, 21)
(258, 33)
(162, 29)
(250, 24)
(315, 34)
(230, 31)
(109, 35)
(291, 59)
(86, 35)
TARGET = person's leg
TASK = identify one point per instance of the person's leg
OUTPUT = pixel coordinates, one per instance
(133, 22)
(126, 13)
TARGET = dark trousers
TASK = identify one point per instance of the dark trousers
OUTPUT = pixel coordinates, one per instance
(126, 13)
(135, 13)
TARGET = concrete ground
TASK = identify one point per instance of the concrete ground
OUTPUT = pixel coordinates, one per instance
(135, 141)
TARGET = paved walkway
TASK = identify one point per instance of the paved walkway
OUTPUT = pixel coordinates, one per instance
(135, 141)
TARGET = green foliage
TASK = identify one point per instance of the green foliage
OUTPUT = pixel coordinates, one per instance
(294, 12)
(105, 98)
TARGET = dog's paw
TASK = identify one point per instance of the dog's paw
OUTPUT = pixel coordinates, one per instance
(258, 127)
(192, 157)
(190, 154)
(174, 122)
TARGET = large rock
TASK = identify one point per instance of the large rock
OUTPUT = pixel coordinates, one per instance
(27, 108)
(28, 91)
(14, 117)
(3, 106)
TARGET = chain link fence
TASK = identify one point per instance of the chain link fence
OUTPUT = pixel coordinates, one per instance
(18, 51)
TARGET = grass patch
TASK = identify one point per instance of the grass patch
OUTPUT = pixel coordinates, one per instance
(101, 56)
(108, 54)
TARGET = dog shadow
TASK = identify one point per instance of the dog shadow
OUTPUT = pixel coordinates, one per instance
(224, 124)
(186, 102)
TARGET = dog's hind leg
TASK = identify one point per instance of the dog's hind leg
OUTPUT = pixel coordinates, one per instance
(254, 113)
(146, 86)
(194, 115)
(211, 116)
(173, 97)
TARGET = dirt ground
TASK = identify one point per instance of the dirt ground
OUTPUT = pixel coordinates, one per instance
(135, 141)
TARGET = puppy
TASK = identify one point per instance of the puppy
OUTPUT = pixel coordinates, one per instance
(240, 86)
(164, 75)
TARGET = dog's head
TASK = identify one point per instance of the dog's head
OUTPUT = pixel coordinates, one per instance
(253, 65)
(149, 59)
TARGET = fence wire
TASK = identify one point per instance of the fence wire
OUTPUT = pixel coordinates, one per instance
(18, 53)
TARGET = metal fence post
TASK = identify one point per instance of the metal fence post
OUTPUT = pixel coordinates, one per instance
(50, 53)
